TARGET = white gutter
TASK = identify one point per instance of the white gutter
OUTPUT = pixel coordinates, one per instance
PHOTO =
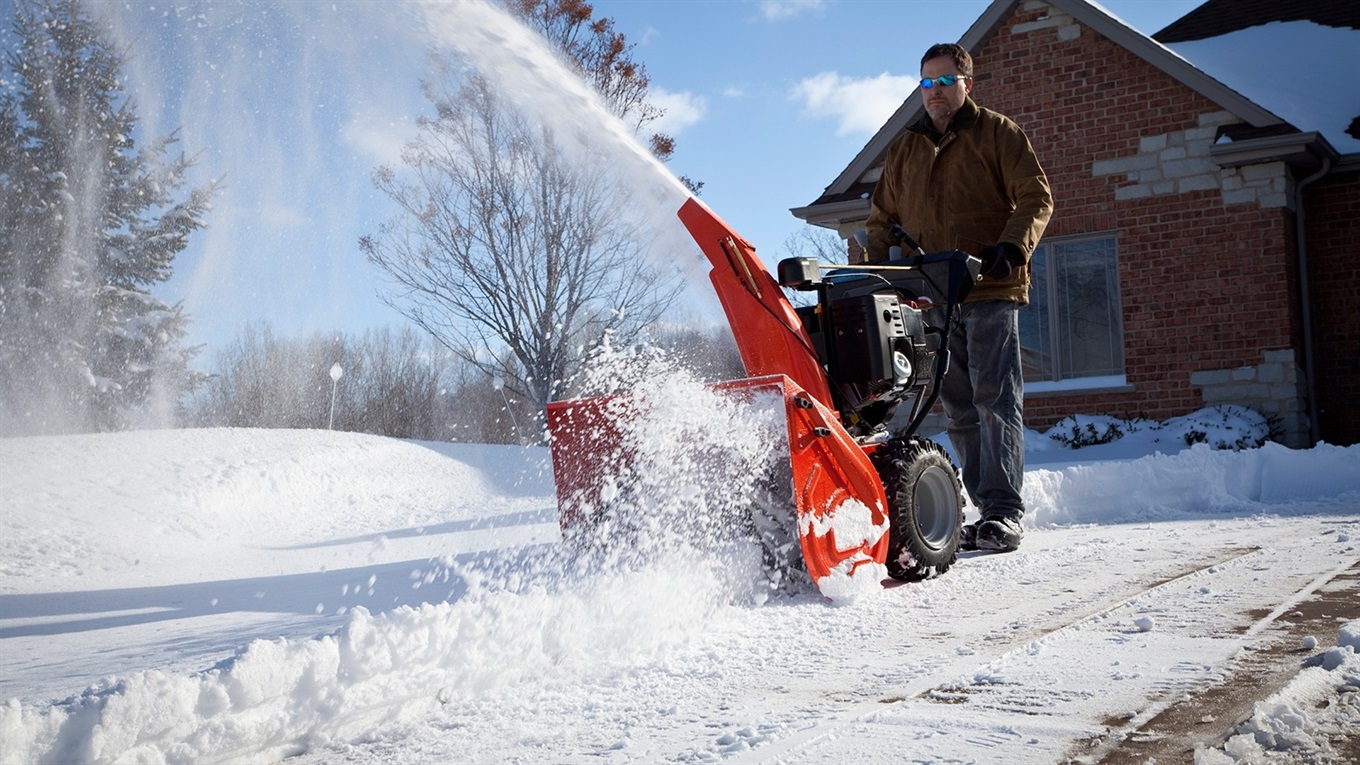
(1305, 298)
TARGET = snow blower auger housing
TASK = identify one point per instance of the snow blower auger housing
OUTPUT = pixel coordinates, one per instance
(865, 497)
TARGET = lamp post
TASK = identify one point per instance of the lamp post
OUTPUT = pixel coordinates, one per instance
(498, 383)
(336, 371)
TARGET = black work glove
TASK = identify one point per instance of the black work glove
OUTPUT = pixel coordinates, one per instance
(1000, 259)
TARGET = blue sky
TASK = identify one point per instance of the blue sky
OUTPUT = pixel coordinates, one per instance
(293, 104)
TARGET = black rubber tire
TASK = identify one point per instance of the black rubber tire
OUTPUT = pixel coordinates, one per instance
(925, 504)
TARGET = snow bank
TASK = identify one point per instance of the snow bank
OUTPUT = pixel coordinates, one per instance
(1196, 480)
(281, 697)
(200, 492)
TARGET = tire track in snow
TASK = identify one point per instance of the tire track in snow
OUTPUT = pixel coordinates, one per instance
(977, 682)
(1269, 671)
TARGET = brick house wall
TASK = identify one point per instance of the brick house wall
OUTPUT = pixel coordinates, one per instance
(1207, 267)
(1333, 224)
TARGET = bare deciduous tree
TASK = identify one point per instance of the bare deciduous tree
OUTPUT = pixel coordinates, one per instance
(396, 383)
(262, 381)
(506, 242)
(819, 243)
(707, 351)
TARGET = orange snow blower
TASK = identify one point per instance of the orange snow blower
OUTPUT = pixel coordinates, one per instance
(866, 496)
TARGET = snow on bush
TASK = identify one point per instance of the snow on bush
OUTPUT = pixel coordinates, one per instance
(1222, 427)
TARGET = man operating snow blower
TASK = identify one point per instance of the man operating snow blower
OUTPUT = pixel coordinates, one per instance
(966, 178)
(851, 499)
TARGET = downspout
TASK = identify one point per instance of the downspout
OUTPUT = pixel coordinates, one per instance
(1306, 299)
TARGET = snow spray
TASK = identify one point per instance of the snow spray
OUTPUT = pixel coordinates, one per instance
(532, 76)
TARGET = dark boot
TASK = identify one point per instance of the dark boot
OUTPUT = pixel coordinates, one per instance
(1001, 534)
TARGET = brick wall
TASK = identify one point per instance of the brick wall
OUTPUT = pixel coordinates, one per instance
(1333, 222)
(1206, 260)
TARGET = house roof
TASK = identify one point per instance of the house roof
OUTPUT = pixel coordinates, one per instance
(1220, 17)
(843, 198)
(1226, 38)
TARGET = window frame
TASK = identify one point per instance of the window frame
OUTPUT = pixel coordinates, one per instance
(1055, 382)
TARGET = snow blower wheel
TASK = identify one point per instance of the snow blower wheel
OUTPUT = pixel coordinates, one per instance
(925, 500)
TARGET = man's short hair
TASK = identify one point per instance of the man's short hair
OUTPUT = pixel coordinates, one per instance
(962, 61)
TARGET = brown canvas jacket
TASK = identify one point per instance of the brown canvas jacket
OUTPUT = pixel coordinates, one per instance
(980, 185)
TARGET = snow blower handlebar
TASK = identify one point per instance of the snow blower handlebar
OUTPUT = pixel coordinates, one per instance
(902, 234)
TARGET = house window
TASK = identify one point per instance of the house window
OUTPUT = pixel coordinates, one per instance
(1072, 330)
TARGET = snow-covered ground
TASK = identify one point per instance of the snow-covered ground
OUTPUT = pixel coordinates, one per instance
(251, 595)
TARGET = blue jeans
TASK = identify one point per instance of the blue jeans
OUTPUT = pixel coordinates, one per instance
(983, 394)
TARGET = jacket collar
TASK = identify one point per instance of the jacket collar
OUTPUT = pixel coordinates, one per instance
(965, 117)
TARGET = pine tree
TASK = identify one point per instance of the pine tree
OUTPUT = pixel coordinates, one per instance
(92, 224)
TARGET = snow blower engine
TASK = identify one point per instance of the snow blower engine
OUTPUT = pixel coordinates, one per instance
(870, 331)
(858, 371)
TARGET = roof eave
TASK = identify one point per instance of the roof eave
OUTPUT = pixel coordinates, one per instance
(832, 214)
(1303, 152)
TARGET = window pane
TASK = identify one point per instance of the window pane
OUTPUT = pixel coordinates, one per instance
(1089, 331)
(1036, 352)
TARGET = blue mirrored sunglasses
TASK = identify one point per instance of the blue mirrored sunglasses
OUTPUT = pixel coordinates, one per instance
(944, 80)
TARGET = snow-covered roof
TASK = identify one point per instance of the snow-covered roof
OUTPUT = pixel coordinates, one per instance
(1245, 71)
(1263, 63)
(1219, 17)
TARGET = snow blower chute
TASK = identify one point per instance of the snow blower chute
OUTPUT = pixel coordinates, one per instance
(865, 494)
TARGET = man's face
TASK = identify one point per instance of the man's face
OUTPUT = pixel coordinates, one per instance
(942, 102)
